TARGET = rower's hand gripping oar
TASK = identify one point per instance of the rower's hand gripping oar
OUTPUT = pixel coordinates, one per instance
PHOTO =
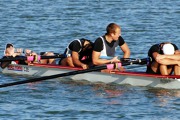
(96, 68)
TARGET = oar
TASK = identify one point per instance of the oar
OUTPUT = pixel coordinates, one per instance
(122, 59)
(31, 58)
(96, 68)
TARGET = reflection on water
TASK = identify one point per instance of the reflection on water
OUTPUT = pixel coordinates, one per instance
(107, 90)
(164, 96)
(165, 92)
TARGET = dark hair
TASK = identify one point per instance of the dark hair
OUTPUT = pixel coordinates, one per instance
(88, 46)
(83, 40)
(111, 28)
(9, 45)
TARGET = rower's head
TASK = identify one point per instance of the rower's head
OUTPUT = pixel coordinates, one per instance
(9, 49)
(168, 49)
(87, 44)
(114, 31)
(8, 45)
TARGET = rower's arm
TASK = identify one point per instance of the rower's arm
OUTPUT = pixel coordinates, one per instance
(98, 61)
(76, 61)
(176, 56)
(126, 50)
(177, 52)
(164, 60)
(173, 57)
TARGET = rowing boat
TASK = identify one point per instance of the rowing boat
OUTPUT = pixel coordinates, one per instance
(122, 78)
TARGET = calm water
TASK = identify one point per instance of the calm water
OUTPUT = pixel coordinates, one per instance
(48, 25)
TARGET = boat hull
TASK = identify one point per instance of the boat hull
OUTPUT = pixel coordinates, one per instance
(130, 78)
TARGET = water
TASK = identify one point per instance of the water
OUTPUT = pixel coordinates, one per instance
(46, 25)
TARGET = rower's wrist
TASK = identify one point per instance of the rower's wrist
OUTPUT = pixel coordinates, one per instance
(110, 61)
(82, 64)
(177, 62)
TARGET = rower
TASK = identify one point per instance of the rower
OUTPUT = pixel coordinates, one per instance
(106, 46)
(164, 59)
(79, 54)
(11, 52)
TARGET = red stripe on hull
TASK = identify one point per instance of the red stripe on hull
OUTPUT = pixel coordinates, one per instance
(58, 66)
(141, 74)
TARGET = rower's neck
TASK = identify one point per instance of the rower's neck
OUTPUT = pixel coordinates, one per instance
(108, 38)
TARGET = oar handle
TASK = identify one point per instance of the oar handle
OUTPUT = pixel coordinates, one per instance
(113, 66)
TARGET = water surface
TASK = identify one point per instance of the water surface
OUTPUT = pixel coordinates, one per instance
(46, 25)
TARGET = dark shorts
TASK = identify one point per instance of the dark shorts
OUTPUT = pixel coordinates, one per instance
(150, 71)
(59, 62)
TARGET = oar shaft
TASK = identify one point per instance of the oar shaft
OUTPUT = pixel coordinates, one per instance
(125, 59)
(31, 58)
(12, 59)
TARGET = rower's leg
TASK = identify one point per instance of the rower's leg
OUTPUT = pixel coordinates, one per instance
(170, 69)
(48, 61)
(164, 70)
(70, 61)
(155, 68)
(67, 62)
(44, 61)
(176, 70)
(51, 61)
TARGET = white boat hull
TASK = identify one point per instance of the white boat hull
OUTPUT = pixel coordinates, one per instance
(131, 78)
